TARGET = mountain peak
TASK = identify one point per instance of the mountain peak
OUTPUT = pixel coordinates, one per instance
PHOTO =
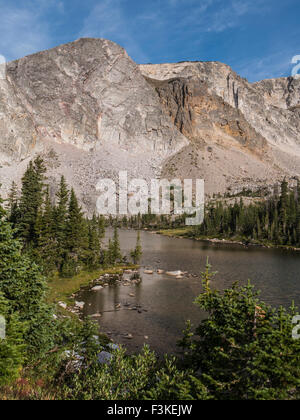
(91, 112)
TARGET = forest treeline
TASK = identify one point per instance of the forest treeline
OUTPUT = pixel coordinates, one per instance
(54, 230)
(273, 220)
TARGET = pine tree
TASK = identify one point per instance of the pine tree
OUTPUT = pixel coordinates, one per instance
(258, 227)
(298, 224)
(116, 250)
(267, 223)
(101, 227)
(283, 203)
(60, 217)
(94, 247)
(137, 252)
(298, 191)
(45, 235)
(31, 199)
(12, 347)
(76, 238)
(244, 348)
(110, 255)
(23, 285)
(12, 205)
(74, 226)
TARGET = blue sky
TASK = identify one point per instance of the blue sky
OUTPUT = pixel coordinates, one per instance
(258, 38)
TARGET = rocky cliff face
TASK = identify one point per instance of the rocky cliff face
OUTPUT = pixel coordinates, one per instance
(88, 105)
(91, 111)
(268, 106)
(243, 135)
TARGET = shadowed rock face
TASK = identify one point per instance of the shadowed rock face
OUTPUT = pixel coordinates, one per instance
(197, 113)
(90, 111)
(267, 105)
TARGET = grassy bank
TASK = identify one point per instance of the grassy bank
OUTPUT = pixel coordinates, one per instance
(185, 232)
(61, 289)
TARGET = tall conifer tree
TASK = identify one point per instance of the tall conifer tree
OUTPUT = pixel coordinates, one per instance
(31, 199)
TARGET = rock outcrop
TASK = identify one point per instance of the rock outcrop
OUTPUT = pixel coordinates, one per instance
(241, 135)
(269, 106)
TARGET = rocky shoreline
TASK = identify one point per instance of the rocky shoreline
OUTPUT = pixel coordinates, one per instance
(126, 278)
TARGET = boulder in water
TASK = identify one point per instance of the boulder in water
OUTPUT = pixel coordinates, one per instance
(174, 273)
(97, 288)
(98, 315)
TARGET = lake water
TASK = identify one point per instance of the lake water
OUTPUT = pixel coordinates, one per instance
(166, 302)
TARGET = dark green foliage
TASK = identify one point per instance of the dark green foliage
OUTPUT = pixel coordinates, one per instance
(136, 254)
(45, 250)
(129, 378)
(114, 250)
(60, 219)
(22, 284)
(54, 230)
(12, 347)
(94, 245)
(154, 221)
(173, 383)
(244, 349)
(31, 199)
(75, 227)
(13, 205)
(76, 235)
(275, 220)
